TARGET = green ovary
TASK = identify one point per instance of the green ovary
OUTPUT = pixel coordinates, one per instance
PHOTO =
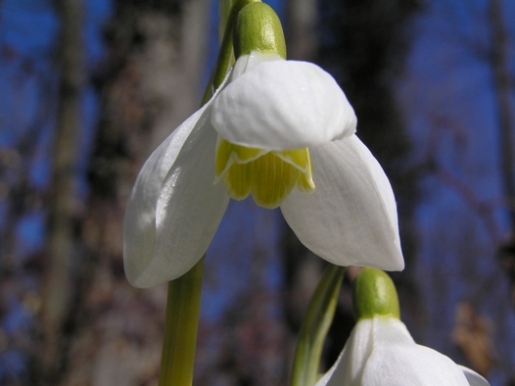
(269, 176)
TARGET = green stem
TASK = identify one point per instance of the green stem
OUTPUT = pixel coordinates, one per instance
(225, 57)
(223, 14)
(182, 316)
(315, 327)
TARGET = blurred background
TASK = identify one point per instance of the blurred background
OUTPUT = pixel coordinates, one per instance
(88, 88)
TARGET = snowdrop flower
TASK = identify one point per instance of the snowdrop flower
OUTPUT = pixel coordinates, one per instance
(380, 350)
(284, 133)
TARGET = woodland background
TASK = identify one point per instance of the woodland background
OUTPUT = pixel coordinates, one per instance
(89, 87)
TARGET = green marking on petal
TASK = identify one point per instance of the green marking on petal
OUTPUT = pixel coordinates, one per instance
(305, 183)
(272, 180)
(223, 155)
(300, 159)
(269, 176)
(237, 181)
(228, 153)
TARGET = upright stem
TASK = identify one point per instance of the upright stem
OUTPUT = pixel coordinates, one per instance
(225, 57)
(315, 327)
(180, 340)
(223, 15)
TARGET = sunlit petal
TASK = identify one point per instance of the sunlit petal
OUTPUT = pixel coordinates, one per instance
(398, 361)
(139, 227)
(283, 105)
(380, 351)
(189, 209)
(348, 369)
(351, 217)
(175, 208)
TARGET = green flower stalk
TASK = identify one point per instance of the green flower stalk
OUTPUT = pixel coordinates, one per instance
(181, 325)
(315, 326)
(225, 57)
(224, 10)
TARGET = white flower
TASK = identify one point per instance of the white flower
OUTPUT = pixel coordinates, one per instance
(276, 130)
(380, 351)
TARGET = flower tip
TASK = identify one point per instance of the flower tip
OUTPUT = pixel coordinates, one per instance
(393, 260)
(398, 264)
(374, 294)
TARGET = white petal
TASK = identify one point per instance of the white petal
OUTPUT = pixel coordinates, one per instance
(349, 366)
(139, 230)
(283, 105)
(351, 217)
(473, 378)
(190, 207)
(326, 378)
(397, 361)
(174, 208)
(380, 351)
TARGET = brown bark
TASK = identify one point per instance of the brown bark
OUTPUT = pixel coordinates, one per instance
(62, 199)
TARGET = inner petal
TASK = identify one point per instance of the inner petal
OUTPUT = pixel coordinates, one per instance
(272, 180)
(238, 180)
(299, 158)
(228, 153)
(269, 176)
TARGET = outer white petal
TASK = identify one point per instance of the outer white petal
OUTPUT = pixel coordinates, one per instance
(174, 209)
(283, 105)
(326, 378)
(380, 351)
(351, 217)
(348, 369)
(398, 361)
(473, 378)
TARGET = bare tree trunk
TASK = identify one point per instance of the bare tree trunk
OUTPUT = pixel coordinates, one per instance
(148, 84)
(61, 207)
